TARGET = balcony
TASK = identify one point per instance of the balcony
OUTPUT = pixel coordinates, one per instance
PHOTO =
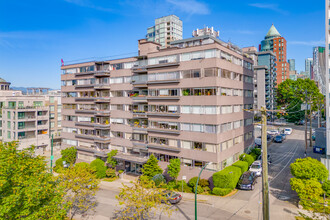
(27, 118)
(102, 86)
(102, 99)
(140, 80)
(85, 111)
(84, 123)
(27, 128)
(84, 86)
(139, 98)
(164, 114)
(163, 130)
(139, 114)
(101, 125)
(26, 137)
(85, 136)
(87, 98)
(165, 63)
(102, 113)
(102, 139)
(102, 73)
(163, 147)
(84, 73)
(140, 66)
(163, 97)
(159, 78)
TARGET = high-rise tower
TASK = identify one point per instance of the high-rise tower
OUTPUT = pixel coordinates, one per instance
(275, 42)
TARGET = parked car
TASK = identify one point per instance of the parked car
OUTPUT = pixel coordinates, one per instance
(256, 167)
(172, 197)
(268, 158)
(269, 137)
(288, 131)
(301, 122)
(259, 126)
(278, 139)
(257, 141)
(272, 132)
(247, 180)
(283, 136)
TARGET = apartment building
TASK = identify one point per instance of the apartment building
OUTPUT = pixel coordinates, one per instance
(24, 118)
(53, 101)
(264, 78)
(166, 29)
(185, 101)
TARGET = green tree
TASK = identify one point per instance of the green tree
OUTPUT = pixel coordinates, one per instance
(291, 94)
(308, 168)
(173, 169)
(69, 155)
(99, 167)
(81, 186)
(110, 160)
(151, 168)
(27, 189)
(142, 200)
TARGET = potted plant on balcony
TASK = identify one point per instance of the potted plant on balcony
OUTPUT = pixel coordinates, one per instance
(106, 122)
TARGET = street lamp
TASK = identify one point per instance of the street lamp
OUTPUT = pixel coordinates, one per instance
(197, 186)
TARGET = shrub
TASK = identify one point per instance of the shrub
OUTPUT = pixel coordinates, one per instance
(227, 178)
(187, 189)
(199, 189)
(247, 158)
(192, 181)
(171, 185)
(243, 165)
(326, 187)
(82, 165)
(203, 182)
(159, 179)
(110, 173)
(99, 167)
(110, 160)
(206, 189)
(151, 168)
(69, 155)
(179, 184)
(256, 151)
(308, 168)
(58, 165)
(221, 191)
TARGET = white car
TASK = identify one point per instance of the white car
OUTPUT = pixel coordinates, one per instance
(288, 131)
(256, 167)
(272, 132)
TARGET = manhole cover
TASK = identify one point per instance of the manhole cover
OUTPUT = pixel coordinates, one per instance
(247, 211)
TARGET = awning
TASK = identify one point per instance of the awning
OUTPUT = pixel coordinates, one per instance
(130, 158)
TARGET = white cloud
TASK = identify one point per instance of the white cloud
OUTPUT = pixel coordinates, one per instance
(87, 4)
(190, 6)
(307, 43)
(273, 7)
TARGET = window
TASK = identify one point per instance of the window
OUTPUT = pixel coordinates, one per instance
(8, 134)
(20, 104)
(37, 103)
(52, 124)
(8, 114)
(226, 109)
(8, 124)
(51, 115)
(52, 108)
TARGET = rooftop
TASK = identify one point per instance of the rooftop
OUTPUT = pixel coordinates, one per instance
(272, 33)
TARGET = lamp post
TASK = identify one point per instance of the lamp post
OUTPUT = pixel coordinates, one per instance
(197, 186)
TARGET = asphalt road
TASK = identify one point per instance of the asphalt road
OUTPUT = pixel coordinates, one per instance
(244, 204)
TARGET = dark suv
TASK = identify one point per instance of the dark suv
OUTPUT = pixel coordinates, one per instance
(247, 181)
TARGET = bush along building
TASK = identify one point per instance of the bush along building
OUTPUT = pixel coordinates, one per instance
(186, 101)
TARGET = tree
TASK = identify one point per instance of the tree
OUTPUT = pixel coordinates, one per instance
(142, 200)
(99, 167)
(27, 189)
(151, 168)
(173, 169)
(308, 168)
(308, 190)
(81, 186)
(69, 155)
(110, 160)
(291, 94)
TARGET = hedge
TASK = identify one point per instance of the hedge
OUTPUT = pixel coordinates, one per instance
(246, 157)
(199, 189)
(221, 191)
(100, 169)
(227, 178)
(203, 182)
(192, 181)
(243, 165)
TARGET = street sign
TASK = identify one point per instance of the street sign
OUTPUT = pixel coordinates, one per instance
(184, 177)
(305, 106)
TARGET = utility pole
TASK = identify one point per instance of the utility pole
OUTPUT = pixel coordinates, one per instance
(306, 124)
(265, 187)
(310, 121)
(51, 156)
(318, 114)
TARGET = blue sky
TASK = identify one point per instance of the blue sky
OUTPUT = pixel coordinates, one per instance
(36, 34)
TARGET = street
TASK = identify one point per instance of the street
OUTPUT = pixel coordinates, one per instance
(243, 204)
